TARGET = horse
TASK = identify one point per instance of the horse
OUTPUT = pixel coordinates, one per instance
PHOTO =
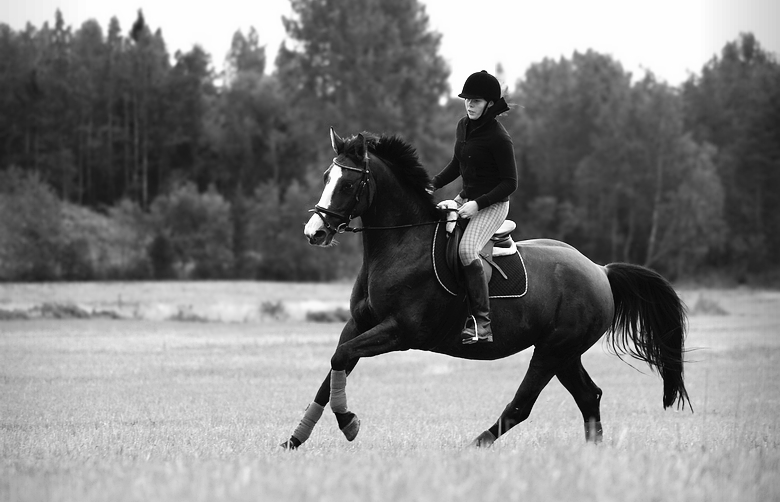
(398, 304)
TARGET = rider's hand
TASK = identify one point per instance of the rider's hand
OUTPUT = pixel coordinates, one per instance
(468, 210)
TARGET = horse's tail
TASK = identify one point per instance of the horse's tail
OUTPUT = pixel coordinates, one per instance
(649, 313)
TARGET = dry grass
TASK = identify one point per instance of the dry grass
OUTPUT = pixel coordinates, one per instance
(221, 301)
(136, 410)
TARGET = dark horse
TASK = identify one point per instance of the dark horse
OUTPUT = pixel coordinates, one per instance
(398, 304)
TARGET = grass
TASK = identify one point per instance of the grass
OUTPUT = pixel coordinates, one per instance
(127, 410)
(221, 301)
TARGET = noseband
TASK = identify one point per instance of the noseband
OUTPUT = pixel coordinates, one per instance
(346, 218)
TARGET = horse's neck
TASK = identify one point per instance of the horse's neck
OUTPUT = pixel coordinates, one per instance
(383, 242)
(396, 213)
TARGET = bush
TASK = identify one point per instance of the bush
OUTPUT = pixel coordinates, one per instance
(104, 246)
(75, 262)
(198, 229)
(186, 235)
(274, 233)
(31, 234)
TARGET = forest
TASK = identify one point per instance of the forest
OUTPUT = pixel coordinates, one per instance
(121, 161)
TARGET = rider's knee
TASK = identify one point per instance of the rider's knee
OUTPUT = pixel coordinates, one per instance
(467, 255)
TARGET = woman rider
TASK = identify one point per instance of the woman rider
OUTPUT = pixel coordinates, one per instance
(485, 160)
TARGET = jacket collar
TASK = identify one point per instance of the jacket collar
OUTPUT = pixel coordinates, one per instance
(497, 109)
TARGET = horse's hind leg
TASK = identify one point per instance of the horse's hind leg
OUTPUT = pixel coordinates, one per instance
(586, 394)
(540, 371)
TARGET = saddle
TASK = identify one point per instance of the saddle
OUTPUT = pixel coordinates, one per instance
(500, 244)
(501, 254)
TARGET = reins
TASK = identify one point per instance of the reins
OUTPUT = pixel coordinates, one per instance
(394, 227)
(356, 230)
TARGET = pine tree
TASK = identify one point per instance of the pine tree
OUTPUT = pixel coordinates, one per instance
(363, 65)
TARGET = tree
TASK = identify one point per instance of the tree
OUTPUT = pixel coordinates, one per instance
(150, 65)
(602, 162)
(109, 185)
(247, 123)
(688, 223)
(676, 180)
(245, 55)
(735, 105)
(570, 149)
(88, 59)
(20, 95)
(189, 95)
(53, 152)
(362, 65)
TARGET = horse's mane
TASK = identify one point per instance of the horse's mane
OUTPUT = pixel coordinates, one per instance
(400, 157)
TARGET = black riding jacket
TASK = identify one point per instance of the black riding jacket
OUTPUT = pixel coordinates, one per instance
(484, 157)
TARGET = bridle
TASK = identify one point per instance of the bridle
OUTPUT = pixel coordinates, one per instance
(348, 215)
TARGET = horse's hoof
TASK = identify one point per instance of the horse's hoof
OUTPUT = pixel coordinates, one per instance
(290, 444)
(484, 440)
(594, 433)
(352, 428)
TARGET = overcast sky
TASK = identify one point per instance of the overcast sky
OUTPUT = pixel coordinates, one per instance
(671, 38)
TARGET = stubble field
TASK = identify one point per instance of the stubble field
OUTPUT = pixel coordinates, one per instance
(136, 409)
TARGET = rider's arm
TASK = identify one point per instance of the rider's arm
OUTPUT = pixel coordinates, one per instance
(447, 175)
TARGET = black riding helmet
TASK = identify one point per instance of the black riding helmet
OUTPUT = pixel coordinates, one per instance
(481, 85)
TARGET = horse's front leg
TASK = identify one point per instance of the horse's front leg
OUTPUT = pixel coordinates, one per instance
(380, 339)
(314, 411)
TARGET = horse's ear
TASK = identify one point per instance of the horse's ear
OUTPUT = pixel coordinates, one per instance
(336, 142)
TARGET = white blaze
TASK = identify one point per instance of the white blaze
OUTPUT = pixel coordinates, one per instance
(315, 222)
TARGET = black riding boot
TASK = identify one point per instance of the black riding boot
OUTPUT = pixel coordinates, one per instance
(477, 288)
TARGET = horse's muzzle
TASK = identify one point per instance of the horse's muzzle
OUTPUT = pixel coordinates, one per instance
(317, 233)
(320, 238)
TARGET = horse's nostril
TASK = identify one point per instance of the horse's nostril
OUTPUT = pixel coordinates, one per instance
(317, 237)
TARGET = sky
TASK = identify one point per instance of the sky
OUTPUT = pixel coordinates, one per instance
(670, 38)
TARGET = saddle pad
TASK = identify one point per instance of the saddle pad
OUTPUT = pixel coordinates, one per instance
(516, 283)
(513, 265)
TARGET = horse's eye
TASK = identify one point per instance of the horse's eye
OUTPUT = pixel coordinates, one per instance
(347, 186)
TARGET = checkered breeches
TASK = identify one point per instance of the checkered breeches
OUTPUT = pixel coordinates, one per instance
(480, 229)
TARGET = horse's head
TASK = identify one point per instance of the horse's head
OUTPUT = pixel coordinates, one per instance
(346, 195)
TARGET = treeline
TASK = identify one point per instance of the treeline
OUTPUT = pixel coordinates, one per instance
(120, 161)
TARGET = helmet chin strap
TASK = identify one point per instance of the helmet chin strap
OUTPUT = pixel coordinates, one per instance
(487, 105)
